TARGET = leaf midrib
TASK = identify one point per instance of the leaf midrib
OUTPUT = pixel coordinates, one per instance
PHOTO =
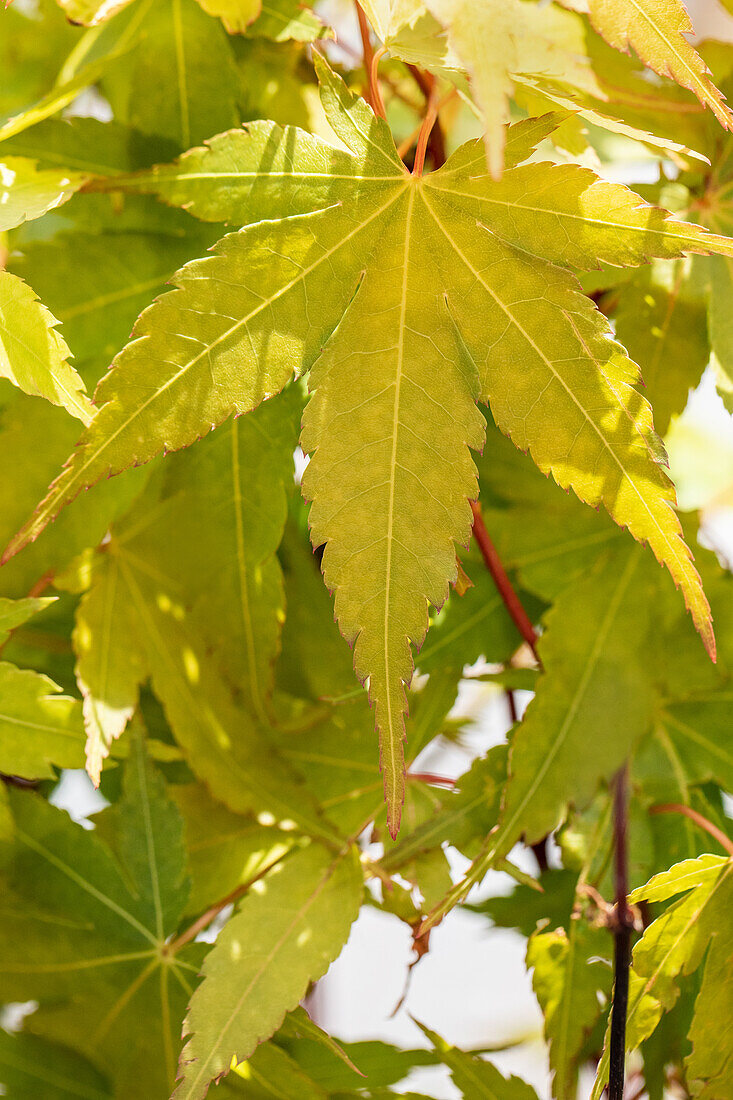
(242, 322)
(261, 970)
(681, 562)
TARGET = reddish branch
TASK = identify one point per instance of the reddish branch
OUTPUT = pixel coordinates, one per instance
(371, 61)
(431, 117)
(677, 808)
(505, 588)
(41, 584)
(436, 141)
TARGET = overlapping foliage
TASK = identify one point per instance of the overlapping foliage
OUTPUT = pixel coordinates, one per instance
(222, 257)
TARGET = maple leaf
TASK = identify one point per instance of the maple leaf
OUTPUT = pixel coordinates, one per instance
(542, 55)
(142, 570)
(104, 985)
(444, 284)
(27, 191)
(283, 937)
(33, 355)
(655, 30)
(475, 1077)
(569, 973)
(236, 15)
(225, 850)
(664, 327)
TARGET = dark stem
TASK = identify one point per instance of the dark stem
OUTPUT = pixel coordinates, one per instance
(540, 848)
(540, 854)
(505, 588)
(623, 923)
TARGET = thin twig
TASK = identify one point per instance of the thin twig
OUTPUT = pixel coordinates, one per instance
(623, 924)
(436, 145)
(371, 63)
(431, 117)
(677, 808)
(41, 585)
(505, 588)
(206, 918)
(367, 50)
(375, 90)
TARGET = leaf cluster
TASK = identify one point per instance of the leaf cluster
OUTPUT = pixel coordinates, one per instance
(335, 395)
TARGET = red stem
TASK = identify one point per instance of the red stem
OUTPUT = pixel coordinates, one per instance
(677, 808)
(430, 777)
(436, 142)
(431, 116)
(371, 60)
(505, 588)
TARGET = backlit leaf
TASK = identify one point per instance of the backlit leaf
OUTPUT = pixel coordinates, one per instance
(656, 30)
(284, 936)
(33, 355)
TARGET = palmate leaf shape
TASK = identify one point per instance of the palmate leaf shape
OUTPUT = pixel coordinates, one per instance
(93, 920)
(413, 297)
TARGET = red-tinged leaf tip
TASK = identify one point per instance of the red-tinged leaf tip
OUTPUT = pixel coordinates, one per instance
(394, 819)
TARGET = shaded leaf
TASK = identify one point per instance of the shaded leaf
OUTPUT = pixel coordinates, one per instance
(567, 980)
(93, 935)
(28, 1064)
(476, 1078)
(284, 936)
(40, 728)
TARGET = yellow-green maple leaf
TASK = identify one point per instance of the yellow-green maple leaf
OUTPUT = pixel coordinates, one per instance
(655, 30)
(426, 294)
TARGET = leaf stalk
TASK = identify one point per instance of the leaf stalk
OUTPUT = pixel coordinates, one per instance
(504, 586)
(678, 808)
